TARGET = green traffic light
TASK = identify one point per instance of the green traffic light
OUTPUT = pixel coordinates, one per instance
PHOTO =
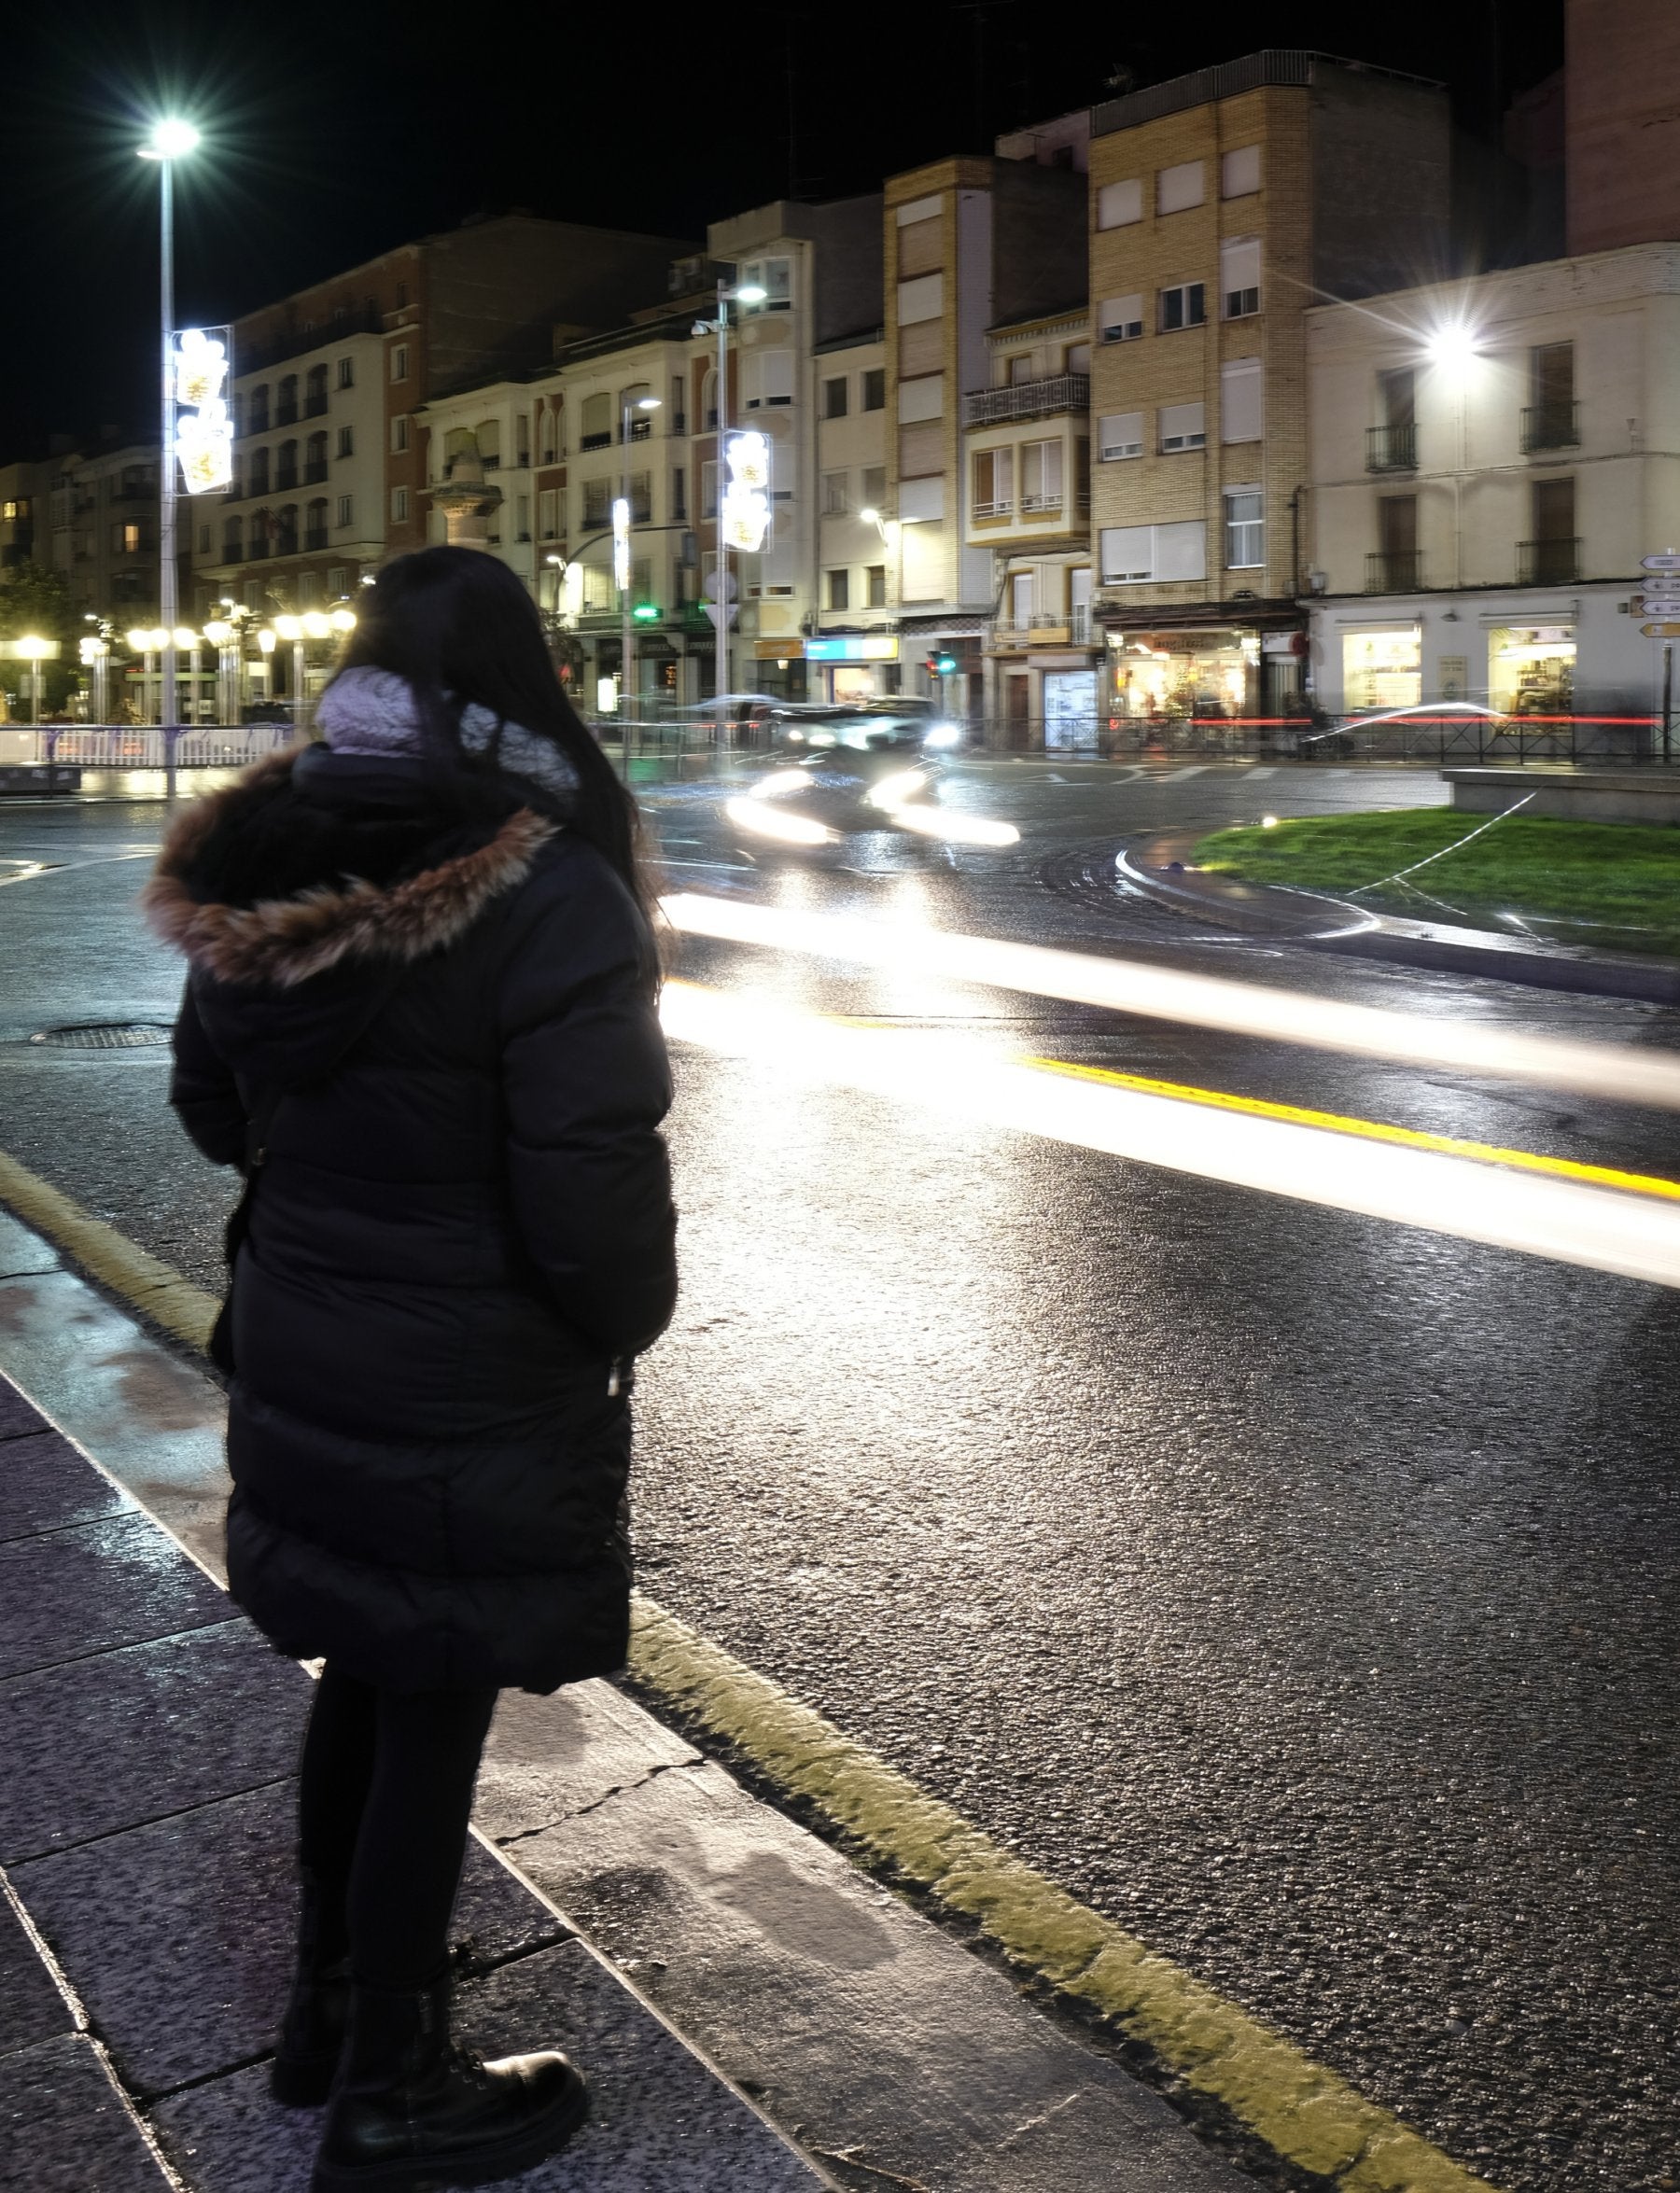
(646, 612)
(947, 665)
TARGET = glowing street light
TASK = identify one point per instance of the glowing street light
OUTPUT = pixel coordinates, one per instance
(1452, 345)
(741, 293)
(171, 139)
(35, 651)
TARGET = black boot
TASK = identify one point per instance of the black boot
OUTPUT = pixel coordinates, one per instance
(412, 2111)
(317, 2010)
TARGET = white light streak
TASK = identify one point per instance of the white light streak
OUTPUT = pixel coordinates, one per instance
(1612, 1071)
(1603, 1229)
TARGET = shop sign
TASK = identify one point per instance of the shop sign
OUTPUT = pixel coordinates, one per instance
(853, 646)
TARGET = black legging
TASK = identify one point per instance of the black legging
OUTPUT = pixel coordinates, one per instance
(383, 1800)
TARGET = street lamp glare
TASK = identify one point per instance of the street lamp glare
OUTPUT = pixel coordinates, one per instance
(751, 293)
(1452, 343)
(171, 139)
(649, 403)
(870, 516)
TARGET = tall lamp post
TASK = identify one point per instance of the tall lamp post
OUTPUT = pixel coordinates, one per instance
(171, 140)
(623, 518)
(738, 293)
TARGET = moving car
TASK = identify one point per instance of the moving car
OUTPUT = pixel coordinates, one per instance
(843, 772)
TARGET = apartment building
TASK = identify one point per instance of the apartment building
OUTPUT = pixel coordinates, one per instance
(1491, 462)
(972, 244)
(330, 385)
(1027, 439)
(852, 654)
(23, 488)
(1223, 206)
(102, 530)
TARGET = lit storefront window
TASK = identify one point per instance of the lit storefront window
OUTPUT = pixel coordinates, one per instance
(1177, 674)
(1531, 669)
(1383, 669)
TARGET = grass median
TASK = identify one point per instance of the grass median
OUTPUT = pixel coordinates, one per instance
(1614, 885)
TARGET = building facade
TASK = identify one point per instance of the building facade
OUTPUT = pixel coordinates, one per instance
(853, 652)
(1222, 205)
(1491, 462)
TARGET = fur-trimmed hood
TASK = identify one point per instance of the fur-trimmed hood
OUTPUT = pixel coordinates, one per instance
(310, 862)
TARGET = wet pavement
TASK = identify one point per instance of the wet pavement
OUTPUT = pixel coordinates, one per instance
(1295, 1588)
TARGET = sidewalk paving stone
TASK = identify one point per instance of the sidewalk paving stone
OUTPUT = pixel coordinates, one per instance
(65, 2128)
(661, 2122)
(69, 1593)
(97, 1745)
(179, 1934)
(44, 1484)
(31, 2007)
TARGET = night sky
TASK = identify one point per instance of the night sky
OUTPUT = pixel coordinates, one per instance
(336, 131)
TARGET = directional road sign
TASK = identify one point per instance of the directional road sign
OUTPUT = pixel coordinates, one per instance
(1663, 562)
(1660, 605)
(1661, 631)
(731, 613)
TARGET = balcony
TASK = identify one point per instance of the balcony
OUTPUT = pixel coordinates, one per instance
(316, 537)
(1042, 506)
(286, 475)
(1551, 426)
(595, 441)
(1392, 449)
(1002, 510)
(315, 471)
(1028, 399)
(1548, 563)
(640, 430)
(677, 423)
(315, 404)
(285, 414)
(1394, 571)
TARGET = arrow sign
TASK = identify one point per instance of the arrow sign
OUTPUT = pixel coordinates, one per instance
(1668, 563)
(1661, 631)
(714, 612)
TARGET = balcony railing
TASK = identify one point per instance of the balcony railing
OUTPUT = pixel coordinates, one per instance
(595, 441)
(1547, 562)
(316, 537)
(1394, 571)
(1041, 504)
(1391, 449)
(285, 414)
(1028, 399)
(286, 475)
(1551, 426)
(640, 429)
(1079, 621)
(315, 471)
(995, 510)
(314, 404)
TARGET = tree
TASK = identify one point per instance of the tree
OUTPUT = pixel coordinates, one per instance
(36, 602)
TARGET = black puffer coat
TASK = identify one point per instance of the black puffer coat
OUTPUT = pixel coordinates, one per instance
(461, 1231)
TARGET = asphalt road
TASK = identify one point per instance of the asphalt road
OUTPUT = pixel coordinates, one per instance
(1295, 1587)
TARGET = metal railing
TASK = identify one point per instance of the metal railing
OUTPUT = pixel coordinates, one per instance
(1551, 426)
(146, 746)
(1028, 399)
(1548, 563)
(1392, 449)
(1394, 571)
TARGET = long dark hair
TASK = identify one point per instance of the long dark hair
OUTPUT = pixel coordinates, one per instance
(457, 625)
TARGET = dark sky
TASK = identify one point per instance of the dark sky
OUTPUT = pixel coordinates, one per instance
(334, 131)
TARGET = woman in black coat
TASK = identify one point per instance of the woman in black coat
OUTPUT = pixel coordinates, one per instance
(420, 1018)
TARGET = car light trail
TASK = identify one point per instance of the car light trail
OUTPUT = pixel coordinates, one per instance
(764, 820)
(1612, 1070)
(1572, 1221)
(954, 826)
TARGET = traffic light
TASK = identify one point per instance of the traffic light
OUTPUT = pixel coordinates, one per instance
(646, 613)
(940, 664)
(934, 665)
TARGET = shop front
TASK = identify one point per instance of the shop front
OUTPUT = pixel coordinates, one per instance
(1382, 666)
(843, 666)
(1164, 676)
(1532, 669)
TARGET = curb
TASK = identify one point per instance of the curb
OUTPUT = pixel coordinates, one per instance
(1364, 935)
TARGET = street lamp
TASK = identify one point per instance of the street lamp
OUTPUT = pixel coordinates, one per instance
(171, 140)
(35, 651)
(741, 293)
(623, 517)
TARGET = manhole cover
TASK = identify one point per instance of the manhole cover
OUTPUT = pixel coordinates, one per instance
(109, 1035)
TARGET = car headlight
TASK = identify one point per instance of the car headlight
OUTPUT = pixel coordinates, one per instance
(943, 735)
(892, 792)
(779, 782)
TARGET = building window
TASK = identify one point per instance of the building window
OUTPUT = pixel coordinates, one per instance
(921, 298)
(994, 483)
(315, 398)
(1396, 567)
(232, 541)
(875, 582)
(836, 502)
(314, 524)
(833, 397)
(1549, 419)
(346, 373)
(1020, 600)
(1118, 204)
(346, 509)
(1245, 529)
(347, 441)
(1120, 435)
(1040, 478)
(548, 513)
(400, 432)
(1138, 555)
(678, 495)
(839, 590)
(1178, 188)
(399, 361)
(1241, 409)
(1079, 357)
(1240, 276)
(315, 459)
(597, 502)
(775, 277)
(1184, 426)
(335, 582)
(875, 486)
(874, 388)
(260, 410)
(709, 488)
(1184, 305)
(768, 379)
(595, 420)
(285, 401)
(546, 437)
(1240, 172)
(203, 546)
(286, 465)
(1552, 557)
(399, 505)
(1120, 319)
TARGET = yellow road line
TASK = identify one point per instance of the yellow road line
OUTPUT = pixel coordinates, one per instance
(1563, 1168)
(1307, 2114)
